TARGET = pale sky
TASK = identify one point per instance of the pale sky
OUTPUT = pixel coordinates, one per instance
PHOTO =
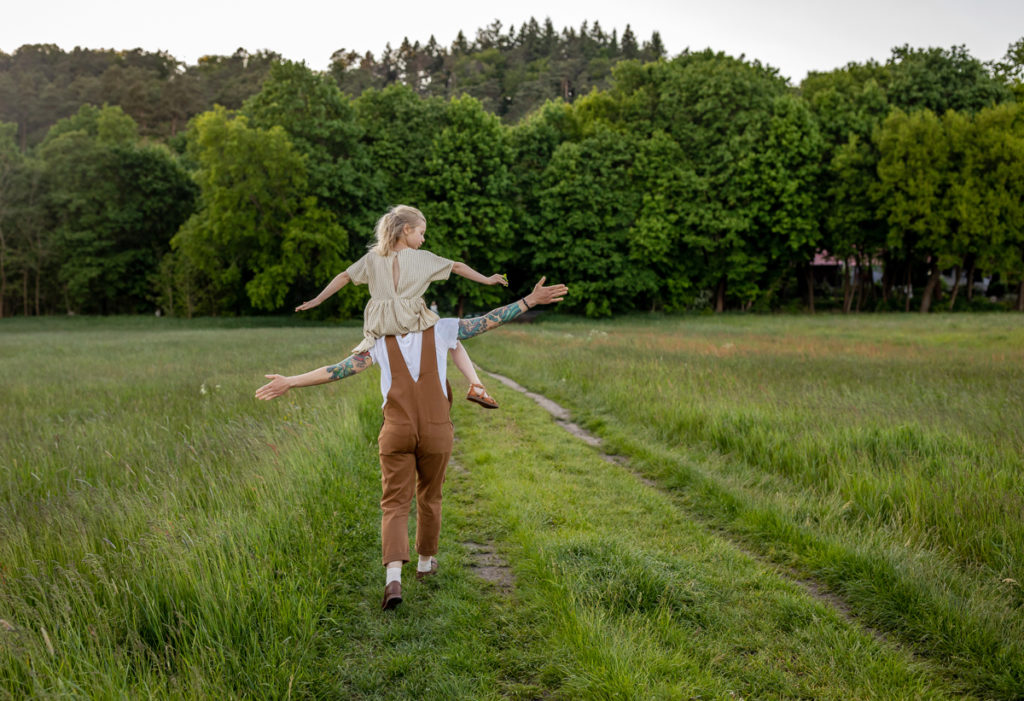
(793, 35)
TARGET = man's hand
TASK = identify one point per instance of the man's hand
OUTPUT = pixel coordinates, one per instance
(277, 386)
(546, 295)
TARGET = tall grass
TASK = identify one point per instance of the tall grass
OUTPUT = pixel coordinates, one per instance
(881, 455)
(162, 534)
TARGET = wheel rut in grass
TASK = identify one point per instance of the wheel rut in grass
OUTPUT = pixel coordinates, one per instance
(489, 566)
(813, 588)
(485, 562)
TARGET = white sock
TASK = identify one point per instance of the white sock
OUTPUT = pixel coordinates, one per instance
(394, 575)
(424, 564)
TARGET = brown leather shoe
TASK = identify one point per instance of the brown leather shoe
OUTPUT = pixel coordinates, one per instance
(420, 576)
(392, 596)
(478, 394)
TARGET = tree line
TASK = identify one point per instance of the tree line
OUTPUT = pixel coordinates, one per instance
(511, 73)
(701, 181)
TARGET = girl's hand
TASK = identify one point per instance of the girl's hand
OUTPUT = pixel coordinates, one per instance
(498, 279)
(307, 305)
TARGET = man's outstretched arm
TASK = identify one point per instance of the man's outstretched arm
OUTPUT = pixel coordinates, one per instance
(541, 294)
(280, 384)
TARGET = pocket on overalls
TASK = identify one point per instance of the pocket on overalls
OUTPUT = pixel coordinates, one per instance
(396, 438)
(436, 436)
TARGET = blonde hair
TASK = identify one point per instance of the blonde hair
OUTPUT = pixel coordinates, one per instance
(390, 227)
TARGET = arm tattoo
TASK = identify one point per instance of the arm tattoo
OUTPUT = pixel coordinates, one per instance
(477, 325)
(350, 366)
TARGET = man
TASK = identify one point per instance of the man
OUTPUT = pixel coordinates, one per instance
(415, 441)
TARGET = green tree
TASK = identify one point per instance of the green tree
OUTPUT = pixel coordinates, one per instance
(589, 205)
(258, 231)
(717, 109)
(942, 79)
(912, 192)
(10, 160)
(468, 191)
(1011, 69)
(850, 104)
(398, 130)
(988, 192)
(114, 205)
(532, 143)
(782, 178)
(321, 123)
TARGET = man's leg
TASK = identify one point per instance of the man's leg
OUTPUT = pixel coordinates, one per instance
(398, 478)
(431, 470)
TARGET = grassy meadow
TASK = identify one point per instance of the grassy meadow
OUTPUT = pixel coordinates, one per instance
(162, 534)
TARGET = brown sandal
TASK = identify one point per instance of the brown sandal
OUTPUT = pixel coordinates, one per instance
(481, 397)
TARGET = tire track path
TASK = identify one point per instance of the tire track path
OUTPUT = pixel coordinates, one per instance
(812, 588)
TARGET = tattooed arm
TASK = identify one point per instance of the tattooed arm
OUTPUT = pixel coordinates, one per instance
(541, 294)
(279, 384)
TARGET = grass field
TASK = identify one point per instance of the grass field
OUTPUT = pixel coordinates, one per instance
(163, 534)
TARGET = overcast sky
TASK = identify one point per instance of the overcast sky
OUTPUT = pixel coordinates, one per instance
(793, 35)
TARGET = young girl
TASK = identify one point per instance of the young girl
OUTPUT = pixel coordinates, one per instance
(398, 274)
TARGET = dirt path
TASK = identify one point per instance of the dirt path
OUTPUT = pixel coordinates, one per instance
(813, 589)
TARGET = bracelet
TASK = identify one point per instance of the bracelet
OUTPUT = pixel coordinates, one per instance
(528, 307)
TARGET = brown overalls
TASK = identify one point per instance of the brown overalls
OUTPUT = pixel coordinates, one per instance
(415, 443)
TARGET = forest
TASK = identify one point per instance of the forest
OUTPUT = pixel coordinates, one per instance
(133, 183)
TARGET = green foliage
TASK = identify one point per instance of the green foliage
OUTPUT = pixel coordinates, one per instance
(321, 123)
(942, 79)
(399, 130)
(467, 190)
(511, 73)
(588, 205)
(914, 177)
(988, 195)
(41, 84)
(721, 183)
(258, 231)
(113, 205)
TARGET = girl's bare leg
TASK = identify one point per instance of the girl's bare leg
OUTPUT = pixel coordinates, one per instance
(477, 393)
(461, 359)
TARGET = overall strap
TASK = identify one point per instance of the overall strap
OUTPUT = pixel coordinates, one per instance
(428, 355)
(396, 361)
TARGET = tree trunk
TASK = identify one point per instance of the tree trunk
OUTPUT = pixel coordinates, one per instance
(909, 290)
(929, 289)
(462, 300)
(37, 292)
(720, 295)
(24, 291)
(847, 289)
(886, 278)
(3, 275)
(970, 284)
(1020, 297)
(956, 286)
(860, 285)
(810, 289)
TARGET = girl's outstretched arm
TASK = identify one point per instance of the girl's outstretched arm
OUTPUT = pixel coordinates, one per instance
(280, 384)
(467, 272)
(541, 294)
(339, 281)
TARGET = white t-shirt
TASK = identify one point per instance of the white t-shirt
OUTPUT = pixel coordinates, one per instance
(446, 336)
